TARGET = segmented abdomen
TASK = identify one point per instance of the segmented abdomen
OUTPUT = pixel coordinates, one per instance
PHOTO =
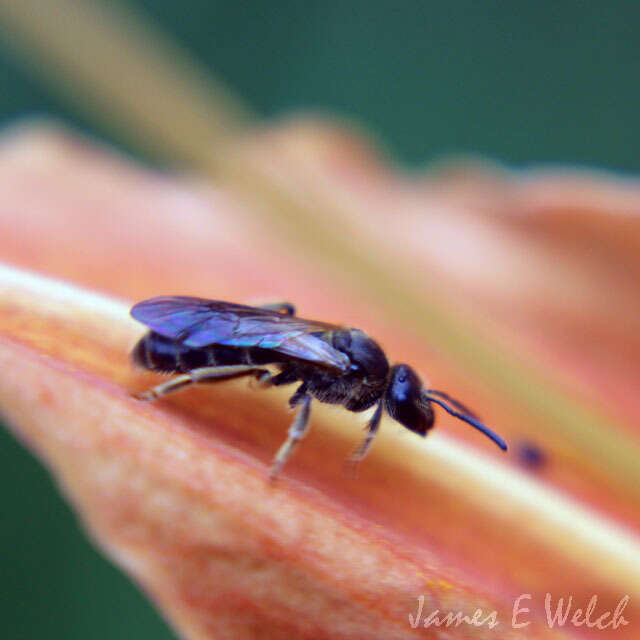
(157, 353)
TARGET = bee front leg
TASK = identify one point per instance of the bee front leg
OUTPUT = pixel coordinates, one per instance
(372, 429)
(204, 374)
(297, 432)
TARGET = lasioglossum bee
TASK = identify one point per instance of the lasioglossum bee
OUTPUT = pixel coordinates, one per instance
(209, 341)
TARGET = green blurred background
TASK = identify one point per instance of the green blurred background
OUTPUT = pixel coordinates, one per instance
(517, 82)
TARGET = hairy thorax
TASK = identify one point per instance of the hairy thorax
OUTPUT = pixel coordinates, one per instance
(362, 385)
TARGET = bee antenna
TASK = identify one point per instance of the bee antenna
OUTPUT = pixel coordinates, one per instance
(455, 403)
(469, 419)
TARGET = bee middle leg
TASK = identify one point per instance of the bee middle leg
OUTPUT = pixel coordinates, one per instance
(297, 431)
(203, 374)
(372, 430)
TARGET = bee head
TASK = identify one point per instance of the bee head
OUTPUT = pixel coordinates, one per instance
(405, 401)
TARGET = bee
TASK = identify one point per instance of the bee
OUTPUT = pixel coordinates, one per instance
(209, 341)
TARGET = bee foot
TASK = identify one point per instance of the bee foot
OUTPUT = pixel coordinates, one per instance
(144, 396)
(351, 466)
(274, 472)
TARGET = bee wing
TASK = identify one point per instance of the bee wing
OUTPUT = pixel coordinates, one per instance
(197, 322)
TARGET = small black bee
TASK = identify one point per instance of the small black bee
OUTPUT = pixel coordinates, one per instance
(208, 341)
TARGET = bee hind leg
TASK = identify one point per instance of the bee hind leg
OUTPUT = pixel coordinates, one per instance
(297, 431)
(204, 374)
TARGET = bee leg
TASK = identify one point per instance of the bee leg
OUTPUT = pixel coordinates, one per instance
(264, 379)
(297, 431)
(288, 376)
(204, 374)
(372, 429)
(285, 308)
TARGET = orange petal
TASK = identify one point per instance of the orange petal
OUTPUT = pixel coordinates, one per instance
(177, 492)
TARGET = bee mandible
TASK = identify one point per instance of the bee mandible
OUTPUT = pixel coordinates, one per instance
(210, 341)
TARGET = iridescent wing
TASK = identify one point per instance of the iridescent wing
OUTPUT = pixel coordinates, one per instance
(197, 322)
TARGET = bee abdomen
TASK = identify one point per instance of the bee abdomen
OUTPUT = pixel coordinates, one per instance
(158, 353)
